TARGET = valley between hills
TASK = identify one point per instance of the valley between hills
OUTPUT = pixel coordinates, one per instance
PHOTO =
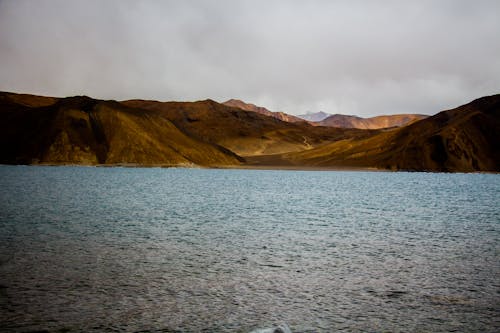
(80, 130)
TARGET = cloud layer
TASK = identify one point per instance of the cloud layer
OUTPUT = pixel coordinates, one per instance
(352, 57)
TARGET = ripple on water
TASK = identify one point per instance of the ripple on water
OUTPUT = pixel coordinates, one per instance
(103, 249)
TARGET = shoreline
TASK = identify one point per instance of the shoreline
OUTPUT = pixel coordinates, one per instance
(248, 167)
(214, 167)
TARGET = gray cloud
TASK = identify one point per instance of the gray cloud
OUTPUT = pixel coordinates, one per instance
(352, 57)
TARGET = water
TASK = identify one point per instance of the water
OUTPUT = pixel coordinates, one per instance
(187, 250)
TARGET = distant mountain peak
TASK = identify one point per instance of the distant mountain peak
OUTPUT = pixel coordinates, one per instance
(314, 116)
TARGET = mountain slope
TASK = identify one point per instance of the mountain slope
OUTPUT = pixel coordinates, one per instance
(245, 133)
(463, 139)
(344, 121)
(259, 109)
(81, 130)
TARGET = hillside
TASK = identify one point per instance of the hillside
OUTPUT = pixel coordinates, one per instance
(82, 130)
(86, 131)
(463, 139)
(245, 133)
(262, 110)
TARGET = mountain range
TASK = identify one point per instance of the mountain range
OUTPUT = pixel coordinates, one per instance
(463, 139)
(345, 121)
(332, 120)
(86, 131)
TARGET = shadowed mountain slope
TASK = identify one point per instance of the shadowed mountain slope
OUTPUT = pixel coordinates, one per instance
(463, 139)
(81, 130)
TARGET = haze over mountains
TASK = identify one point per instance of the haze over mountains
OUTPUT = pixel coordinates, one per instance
(315, 116)
(82, 130)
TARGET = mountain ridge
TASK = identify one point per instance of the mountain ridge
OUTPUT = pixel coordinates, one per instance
(377, 122)
(86, 131)
(262, 110)
(462, 139)
(333, 120)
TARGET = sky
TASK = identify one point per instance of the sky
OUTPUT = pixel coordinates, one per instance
(354, 57)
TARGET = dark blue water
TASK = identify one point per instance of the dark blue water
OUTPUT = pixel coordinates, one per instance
(132, 249)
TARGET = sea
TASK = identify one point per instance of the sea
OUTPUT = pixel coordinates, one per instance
(111, 249)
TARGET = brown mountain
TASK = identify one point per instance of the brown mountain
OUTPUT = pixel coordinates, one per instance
(245, 133)
(259, 109)
(463, 139)
(344, 121)
(82, 130)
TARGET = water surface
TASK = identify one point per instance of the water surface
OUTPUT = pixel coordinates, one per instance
(191, 250)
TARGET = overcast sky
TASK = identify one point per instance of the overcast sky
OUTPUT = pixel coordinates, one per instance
(352, 57)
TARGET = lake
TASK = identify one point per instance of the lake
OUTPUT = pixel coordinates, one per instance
(199, 250)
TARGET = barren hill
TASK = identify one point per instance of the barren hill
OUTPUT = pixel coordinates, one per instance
(82, 130)
(246, 133)
(462, 139)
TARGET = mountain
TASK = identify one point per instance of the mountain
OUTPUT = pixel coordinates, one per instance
(85, 131)
(82, 130)
(246, 133)
(344, 121)
(236, 103)
(314, 117)
(463, 139)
